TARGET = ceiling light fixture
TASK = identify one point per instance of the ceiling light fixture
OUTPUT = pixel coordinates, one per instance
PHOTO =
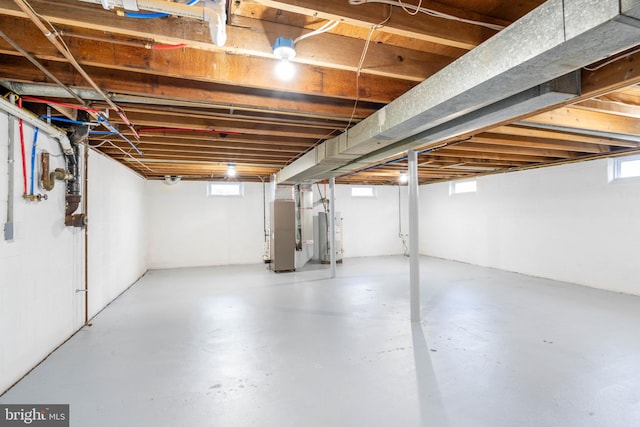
(404, 178)
(231, 170)
(284, 50)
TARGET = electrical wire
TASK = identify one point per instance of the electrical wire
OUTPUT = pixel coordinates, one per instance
(361, 63)
(122, 151)
(406, 9)
(429, 12)
(328, 26)
(151, 15)
(611, 61)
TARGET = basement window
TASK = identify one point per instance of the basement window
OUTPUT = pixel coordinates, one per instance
(225, 189)
(459, 187)
(363, 191)
(626, 167)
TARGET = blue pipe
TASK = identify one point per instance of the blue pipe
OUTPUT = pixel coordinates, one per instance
(109, 126)
(33, 158)
(65, 120)
(153, 15)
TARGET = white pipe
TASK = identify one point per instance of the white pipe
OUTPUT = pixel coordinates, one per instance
(332, 226)
(26, 116)
(414, 248)
(213, 12)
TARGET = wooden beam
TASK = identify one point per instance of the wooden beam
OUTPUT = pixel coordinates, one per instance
(539, 143)
(223, 125)
(587, 120)
(421, 27)
(161, 88)
(245, 37)
(481, 148)
(214, 67)
(523, 131)
(605, 106)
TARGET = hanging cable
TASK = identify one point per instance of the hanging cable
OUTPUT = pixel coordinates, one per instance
(406, 9)
(361, 63)
(151, 15)
(328, 26)
(611, 61)
(430, 12)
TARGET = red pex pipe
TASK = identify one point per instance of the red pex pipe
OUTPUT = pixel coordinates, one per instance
(24, 162)
(62, 104)
(168, 46)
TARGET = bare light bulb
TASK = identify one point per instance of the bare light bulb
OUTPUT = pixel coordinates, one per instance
(285, 70)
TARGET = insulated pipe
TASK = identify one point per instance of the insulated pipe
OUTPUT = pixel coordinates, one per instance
(332, 226)
(414, 248)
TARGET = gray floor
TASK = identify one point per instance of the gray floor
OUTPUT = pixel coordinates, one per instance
(241, 346)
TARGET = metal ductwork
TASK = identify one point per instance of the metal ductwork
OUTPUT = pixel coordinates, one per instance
(518, 71)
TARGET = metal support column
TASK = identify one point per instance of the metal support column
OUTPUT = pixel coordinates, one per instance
(414, 248)
(332, 226)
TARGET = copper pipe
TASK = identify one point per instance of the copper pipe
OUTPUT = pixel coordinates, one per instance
(132, 43)
(86, 235)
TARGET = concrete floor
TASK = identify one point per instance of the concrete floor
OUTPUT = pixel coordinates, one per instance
(241, 346)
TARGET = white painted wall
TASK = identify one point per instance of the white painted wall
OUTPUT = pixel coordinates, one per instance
(43, 266)
(39, 273)
(370, 226)
(188, 229)
(565, 223)
(117, 230)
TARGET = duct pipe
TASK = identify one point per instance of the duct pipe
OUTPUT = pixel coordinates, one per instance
(554, 39)
(213, 12)
(414, 249)
(332, 226)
